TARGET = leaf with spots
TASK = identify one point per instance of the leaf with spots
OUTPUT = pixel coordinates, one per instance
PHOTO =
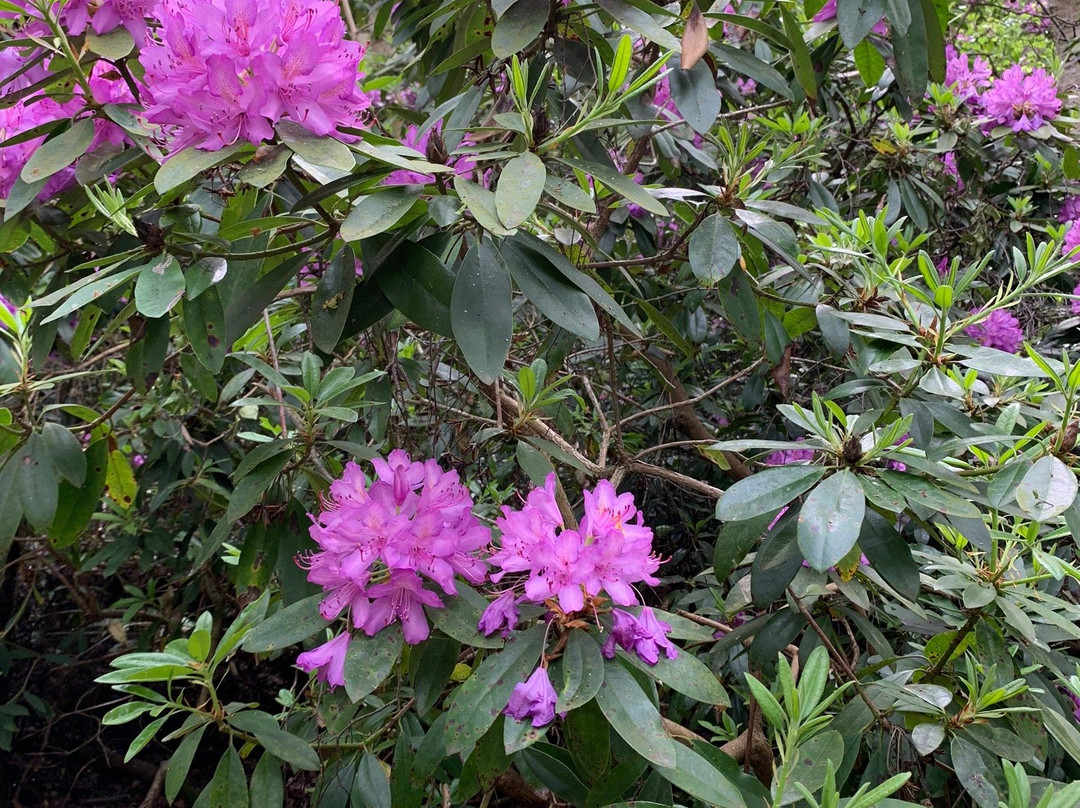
(480, 700)
(120, 485)
(204, 322)
(370, 659)
(35, 479)
(76, 505)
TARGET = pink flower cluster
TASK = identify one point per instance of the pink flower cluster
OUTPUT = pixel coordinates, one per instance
(966, 78)
(609, 552)
(1020, 100)
(381, 543)
(222, 71)
(999, 330)
(75, 16)
(107, 87)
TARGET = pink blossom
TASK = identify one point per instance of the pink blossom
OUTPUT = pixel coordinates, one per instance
(327, 660)
(534, 698)
(967, 79)
(609, 552)
(1022, 101)
(501, 615)
(222, 71)
(1072, 239)
(1070, 209)
(380, 542)
(998, 330)
(1074, 304)
(645, 635)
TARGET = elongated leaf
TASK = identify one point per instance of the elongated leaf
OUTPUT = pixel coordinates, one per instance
(204, 322)
(582, 672)
(640, 22)
(481, 204)
(159, 285)
(520, 25)
(65, 452)
(378, 212)
(229, 789)
(633, 716)
(479, 700)
(419, 285)
(180, 763)
(370, 660)
(766, 491)
(332, 301)
(281, 744)
(695, 775)
(749, 65)
(685, 674)
(59, 152)
(481, 311)
(189, 163)
(559, 300)
(76, 505)
(91, 292)
(695, 95)
(714, 249)
(830, 520)
(322, 150)
(855, 19)
(294, 623)
(519, 188)
(460, 617)
(620, 184)
(35, 480)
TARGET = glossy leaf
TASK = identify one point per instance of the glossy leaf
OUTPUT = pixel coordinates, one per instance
(159, 285)
(520, 184)
(830, 520)
(768, 490)
(58, 153)
(481, 312)
(633, 716)
(419, 285)
(378, 212)
(370, 660)
(1047, 490)
(714, 249)
(294, 623)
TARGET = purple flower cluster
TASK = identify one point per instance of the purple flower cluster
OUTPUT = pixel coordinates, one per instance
(75, 16)
(1020, 100)
(609, 552)
(999, 330)
(645, 635)
(222, 71)
(380, 543)
(966, 78)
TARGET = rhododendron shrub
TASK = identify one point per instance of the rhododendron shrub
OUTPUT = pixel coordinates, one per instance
(540, 402)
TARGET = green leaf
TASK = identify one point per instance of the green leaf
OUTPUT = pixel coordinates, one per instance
(633, 716)
(332, 300)
(229, 789)
(569, 193)
(189, 163)
(640, 22)
(869, 63)
(59, 152)
(815, 757)
(251, 488)
(855, 18)
(889, 555)
(480, 698)
(588, 739)
(519, 26)
(199, 640)
(267, 169)
(371, 788)
(321, 150)
(519, 188)
(555, 770)
(481, 312)
(801, 60)
(559, 300)
(713, 248)
(910, 53)
(204, 324)
(281, 744)
(159, 285)
(125, 712)
(735, 541)
(830, 520)
(369, 660)
(695, 95)
(378, 212)
(267, 790)
(923, 493)
(695, 775)
(180, 763)
(766, 491)
(481, 204)
(35, 481)
(972, 772)
(685, 674)
(66, 453)
(294, 623)
(582, 672)
(749, 65)
(419, 285)
(620, 184)
(114, 45)
(1047, 490)
(89, 293)
(144, 737)
(737, 296)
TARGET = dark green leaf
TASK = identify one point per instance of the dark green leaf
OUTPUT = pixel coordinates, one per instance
(685, 674)
(481, 311)
(713, 248)
(766, 491)
(520, 186)
(855, 18)
(35, 481)
(66, 453)
(482, 696)
(333, 300)
(559, 300)
(633, 715)
(189, 163)
(889, 554)
(281, 744)
(735, 541)
(322, 150)
(582, 672)
(180, 763)
(371, 787)
(830, 520)
(459, 618)
(972, 772)
(204, 323)
(695, 775)
(520, 25)
(267, 790)
(749, 65)
(695, 95)
(229, 789)
(292, 624)
(370, 660)
(640, 22)
(555, 770)
(250, 489)
(419, 285)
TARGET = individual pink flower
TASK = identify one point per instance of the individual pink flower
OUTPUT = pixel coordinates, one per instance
(1072, 240)
(645, 635)
(1022, 101)
(222, 71)
(999, 330)
(534, 698)
(327, 660)
(1070, 209)
(402, 598)
(967, 79)
(501, 615)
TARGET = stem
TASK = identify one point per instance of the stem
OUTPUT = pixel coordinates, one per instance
(937, 667)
